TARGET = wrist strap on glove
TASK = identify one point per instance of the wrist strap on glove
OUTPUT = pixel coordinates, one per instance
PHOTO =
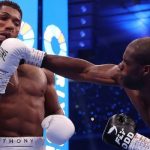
(139, 142)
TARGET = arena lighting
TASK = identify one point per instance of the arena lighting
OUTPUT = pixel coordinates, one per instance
(80, 25)
(137, 23)
(83, 9)
(82, 33)
(133, 20)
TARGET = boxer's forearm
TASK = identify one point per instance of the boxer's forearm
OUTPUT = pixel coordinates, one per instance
(81, 70)
(73, 68)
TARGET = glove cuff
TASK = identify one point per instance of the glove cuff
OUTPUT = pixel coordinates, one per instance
(4, 79)
(36, 57)
(139, 142)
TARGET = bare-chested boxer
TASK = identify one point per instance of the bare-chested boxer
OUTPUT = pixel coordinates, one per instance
(133, 74)
(29, 98)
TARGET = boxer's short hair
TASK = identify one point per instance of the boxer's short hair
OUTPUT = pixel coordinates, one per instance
(11, 4)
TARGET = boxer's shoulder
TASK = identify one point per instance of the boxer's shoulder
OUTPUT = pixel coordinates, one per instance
(30, 72)
(36, 74)
(27, 78)
(49, 75)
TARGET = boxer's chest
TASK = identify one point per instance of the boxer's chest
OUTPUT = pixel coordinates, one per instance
(141, 102)
(29, 79)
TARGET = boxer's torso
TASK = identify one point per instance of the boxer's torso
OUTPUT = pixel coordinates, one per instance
(141, 101)
(22, 107)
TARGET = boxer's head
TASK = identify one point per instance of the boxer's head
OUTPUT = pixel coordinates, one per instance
(11, 4)
(10, 20)
(135, 67)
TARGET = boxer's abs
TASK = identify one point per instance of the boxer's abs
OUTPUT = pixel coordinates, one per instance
(22, 107)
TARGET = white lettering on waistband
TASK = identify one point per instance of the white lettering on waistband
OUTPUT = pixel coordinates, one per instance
(21, 141)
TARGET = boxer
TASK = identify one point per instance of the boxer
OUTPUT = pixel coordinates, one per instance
(132, 73)
(29, 104)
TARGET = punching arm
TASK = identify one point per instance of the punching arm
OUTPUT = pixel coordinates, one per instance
(81, 70)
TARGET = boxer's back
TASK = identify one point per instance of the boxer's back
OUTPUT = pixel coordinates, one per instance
(22, 107)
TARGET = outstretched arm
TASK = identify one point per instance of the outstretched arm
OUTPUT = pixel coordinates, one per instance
(82, 70)
(13, 50)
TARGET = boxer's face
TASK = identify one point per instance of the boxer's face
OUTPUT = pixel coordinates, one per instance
(10, 22)
(131, 71)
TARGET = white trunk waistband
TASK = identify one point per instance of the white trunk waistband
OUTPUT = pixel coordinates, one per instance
(21, 142)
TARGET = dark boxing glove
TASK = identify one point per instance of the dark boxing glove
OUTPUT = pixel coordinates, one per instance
(120, 131)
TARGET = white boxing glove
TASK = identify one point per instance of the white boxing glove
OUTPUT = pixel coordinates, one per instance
(12, 50)
(59, 128)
